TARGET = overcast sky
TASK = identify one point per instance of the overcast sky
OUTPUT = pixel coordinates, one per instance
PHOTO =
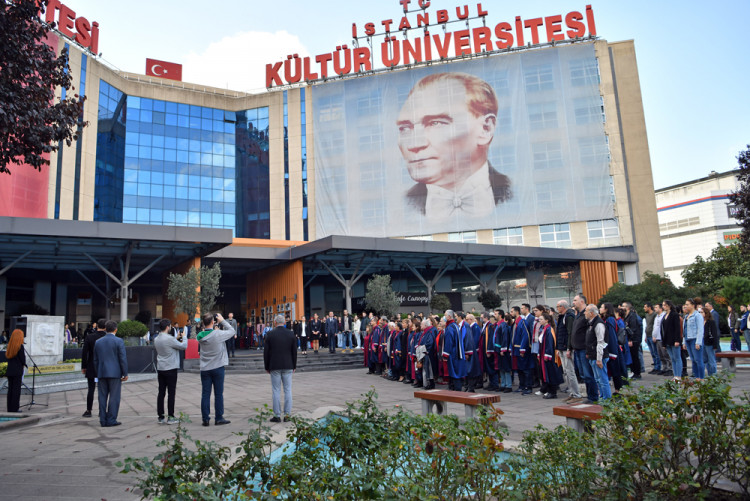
(692, 56)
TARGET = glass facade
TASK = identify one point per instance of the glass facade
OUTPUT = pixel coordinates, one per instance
(303, 120)
(179, 165)
(110, 154)
(287, 224)
(166, 163)
(79, 141)
(253, 196)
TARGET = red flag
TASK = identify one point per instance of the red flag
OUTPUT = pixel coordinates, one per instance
(163, 69)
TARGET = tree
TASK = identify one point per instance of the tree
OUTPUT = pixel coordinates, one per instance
(707, 274)
(736, 290)
(741, 199)
(209, 283)
(490, 299)
(32, 121)
(653, 289)
(196, 288)
(380, 296)
(440, 303)
(506, 287)
(571, 279)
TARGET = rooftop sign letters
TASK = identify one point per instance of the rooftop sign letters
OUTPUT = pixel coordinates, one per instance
(77, 28)
(433, 41)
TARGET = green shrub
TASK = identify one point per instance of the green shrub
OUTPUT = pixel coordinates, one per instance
(668, 442)
(131, 328)
(673, 440)
(3, 368)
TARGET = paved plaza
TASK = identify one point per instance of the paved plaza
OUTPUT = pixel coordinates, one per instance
(65, 456)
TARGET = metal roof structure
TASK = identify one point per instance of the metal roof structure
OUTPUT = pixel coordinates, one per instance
(59, 246)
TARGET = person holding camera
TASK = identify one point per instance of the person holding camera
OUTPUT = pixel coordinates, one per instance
(214, 358)
(168, 347)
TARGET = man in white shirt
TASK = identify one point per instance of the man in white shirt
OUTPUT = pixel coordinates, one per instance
(666, 363)
(445, 146)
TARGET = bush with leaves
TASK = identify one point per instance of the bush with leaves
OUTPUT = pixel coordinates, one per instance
(131, 328)
(672, 440)
(490, 299)
(440, 303)
(667, 442)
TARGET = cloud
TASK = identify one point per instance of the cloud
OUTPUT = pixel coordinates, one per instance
(238, 62)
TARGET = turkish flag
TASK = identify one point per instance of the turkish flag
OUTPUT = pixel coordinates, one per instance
(163, 69)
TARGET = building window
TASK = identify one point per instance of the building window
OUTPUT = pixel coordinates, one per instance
(584, 72)
(549, 196)
(593, 151)
(467, 237)
(543, 116)
(555, 235)
(547, 155)
(419, 237)
(589, 110)
(539, 78)
(508, 236)
(371, 140)
(680, 223)
(603, 233)
(370, 105)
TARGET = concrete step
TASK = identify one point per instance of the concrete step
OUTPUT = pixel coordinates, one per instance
(252, 362)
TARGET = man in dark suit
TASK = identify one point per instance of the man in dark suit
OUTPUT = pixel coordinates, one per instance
(112, 370)
(87, 362)
(332, 327)
(302, 330)
(445, 146)
(280, 361)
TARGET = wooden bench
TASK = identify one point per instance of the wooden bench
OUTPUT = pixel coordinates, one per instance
(438, 399)
(729, 359)
(579, 416)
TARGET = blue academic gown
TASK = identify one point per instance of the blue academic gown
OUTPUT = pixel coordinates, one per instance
(427, 339)
(473, 334)
(375, 345)
(503, 332)
(551, 372)
(521, 340)
(616, 365)
(453, 351)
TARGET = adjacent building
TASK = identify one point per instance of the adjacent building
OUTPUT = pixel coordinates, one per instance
(695, 217)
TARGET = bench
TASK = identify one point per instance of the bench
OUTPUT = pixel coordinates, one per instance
(579, 416)
(439, 399)
(729, 359)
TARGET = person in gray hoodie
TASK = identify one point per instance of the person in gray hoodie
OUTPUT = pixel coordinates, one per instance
(213, 359)
(168, 349)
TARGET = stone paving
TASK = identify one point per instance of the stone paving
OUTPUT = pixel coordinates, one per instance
(66, 456)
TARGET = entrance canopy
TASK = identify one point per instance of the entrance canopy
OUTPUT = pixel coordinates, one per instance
(64, 246)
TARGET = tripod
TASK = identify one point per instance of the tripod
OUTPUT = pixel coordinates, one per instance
(34, 370)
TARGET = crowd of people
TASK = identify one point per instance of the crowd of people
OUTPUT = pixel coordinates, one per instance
(594, 351)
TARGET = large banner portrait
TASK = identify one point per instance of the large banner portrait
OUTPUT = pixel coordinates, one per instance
(503, 141)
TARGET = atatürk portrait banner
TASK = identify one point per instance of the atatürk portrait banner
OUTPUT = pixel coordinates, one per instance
(503, 141)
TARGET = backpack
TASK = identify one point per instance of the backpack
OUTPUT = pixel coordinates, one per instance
(622, 336)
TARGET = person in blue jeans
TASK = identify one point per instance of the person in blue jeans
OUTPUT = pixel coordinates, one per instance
(693, 331)
(214, 358)
(280, 361)
(710, 340)
(577, 348)
(596, 350)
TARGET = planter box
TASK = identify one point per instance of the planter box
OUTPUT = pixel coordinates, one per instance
(140, 358)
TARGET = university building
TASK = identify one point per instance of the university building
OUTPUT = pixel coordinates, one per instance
(298, 192)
